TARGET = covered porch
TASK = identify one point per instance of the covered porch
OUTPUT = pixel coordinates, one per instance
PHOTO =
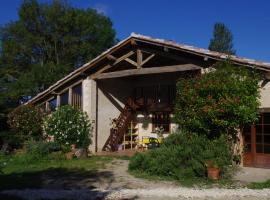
(133, 109)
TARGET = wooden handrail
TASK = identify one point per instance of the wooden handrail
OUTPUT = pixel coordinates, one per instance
(117, 133)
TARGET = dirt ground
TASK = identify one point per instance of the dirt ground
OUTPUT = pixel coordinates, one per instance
(114, 182)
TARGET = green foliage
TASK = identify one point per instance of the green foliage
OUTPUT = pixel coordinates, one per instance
(219, 101)
(40, 150)
(183, 155)
(218, 151)
(259, 185)
(222, 40)
(26, 122)
(69, 126)
(49, 40)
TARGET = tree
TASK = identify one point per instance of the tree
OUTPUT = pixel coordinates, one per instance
(48, 41)
(222, 40)
(219, 102)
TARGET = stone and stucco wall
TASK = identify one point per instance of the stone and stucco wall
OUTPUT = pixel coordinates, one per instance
(265, 96)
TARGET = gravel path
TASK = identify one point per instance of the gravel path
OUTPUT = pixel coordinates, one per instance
(121, 185)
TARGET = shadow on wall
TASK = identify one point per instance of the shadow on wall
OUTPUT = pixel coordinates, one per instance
(116, 91)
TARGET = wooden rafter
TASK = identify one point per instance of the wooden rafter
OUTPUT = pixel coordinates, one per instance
(118, 60)
(150, 70)
(93, 76)
(148, 58)
(131, 62)
(138, 63)
(170, 56)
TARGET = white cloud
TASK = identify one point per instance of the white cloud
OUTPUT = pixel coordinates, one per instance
(101, 8)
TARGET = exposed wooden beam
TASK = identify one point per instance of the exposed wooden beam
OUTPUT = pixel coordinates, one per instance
(131, 62)
(139, 58)
(150, 70)
(147, 59)
(100, 71)
(172, 56)
(123, 57)
(111, 57)
(133, 42)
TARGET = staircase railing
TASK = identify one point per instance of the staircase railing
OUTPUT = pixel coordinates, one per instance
(121, 125)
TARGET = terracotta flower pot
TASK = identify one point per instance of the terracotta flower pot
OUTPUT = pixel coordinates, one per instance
(69, 155)
(213, 173)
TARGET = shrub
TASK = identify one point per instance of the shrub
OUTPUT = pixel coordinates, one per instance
(183, 154)
(219, 101)
(219, 152)
(69, 126)
(41, 149)
(26, 122)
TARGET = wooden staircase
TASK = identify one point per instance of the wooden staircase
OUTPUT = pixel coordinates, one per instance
(121, 125)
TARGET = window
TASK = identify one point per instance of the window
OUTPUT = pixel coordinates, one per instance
(64, 99)
(263, 134)
(161, 120)
(52, 104)
(77, 96)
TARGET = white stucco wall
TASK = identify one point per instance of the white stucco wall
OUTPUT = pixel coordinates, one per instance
(112, 96)
(89, 106)
(265, 96)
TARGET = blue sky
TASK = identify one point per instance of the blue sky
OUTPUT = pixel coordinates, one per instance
(185, 21)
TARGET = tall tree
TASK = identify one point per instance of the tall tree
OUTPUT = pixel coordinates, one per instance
(48, 41)
(222, 40)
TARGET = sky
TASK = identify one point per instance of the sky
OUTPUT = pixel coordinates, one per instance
(184, 21)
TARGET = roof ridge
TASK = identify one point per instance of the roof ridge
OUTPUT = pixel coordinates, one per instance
(200, 49)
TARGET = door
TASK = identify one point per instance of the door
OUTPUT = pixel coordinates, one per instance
(257, 143)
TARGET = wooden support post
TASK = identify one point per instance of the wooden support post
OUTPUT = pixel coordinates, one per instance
(70, 96)
(131, 139)
(47, 106)
(58, 100)
(124, 141)
(139, 58)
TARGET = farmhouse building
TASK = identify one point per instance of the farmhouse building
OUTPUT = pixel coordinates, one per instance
(128, 92)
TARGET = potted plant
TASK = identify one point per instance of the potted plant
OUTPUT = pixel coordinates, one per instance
(213, 171)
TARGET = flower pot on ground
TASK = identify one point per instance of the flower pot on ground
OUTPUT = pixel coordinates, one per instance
(81, 153)
(213, 171)
(69, 155)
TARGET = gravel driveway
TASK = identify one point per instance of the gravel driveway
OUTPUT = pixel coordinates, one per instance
(121, 185)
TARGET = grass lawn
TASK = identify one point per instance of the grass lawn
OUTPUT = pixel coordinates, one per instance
(259, 185)
(24, 171)
(190, 182)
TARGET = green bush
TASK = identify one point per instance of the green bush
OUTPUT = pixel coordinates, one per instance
(69, 126)
(183, 155)
(41, 149)
(26, 122)
(219, 101)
